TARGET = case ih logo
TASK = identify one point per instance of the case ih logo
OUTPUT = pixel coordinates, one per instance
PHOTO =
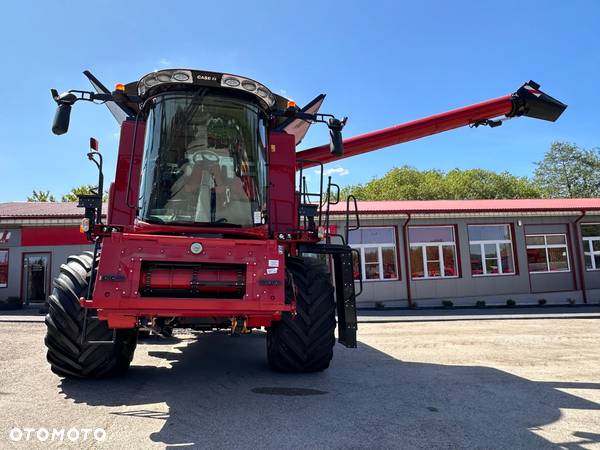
(206, 77)
(4, 237)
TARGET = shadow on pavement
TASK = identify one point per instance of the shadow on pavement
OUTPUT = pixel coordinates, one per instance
(158, 340)
(220, 393)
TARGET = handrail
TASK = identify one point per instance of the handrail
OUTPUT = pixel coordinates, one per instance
(360, 280)
(348, 229)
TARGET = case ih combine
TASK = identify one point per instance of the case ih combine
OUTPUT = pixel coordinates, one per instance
(209, 225)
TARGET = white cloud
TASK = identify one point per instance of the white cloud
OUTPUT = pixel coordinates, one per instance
(282, 91)
(164, 62)
(337, 170)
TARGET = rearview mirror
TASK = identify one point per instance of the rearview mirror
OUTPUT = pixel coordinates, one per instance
(336, 143)
(60, 125)
(63, 112)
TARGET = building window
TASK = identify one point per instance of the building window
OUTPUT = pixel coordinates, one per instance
(432, 252)
(491, 250)
(377, 247)
(547, 253)
(590, 234)
(3, 268)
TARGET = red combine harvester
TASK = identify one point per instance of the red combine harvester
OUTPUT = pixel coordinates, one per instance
(210, 224)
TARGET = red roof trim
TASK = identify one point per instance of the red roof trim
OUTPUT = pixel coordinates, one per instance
(42, 210)
(472, 206)
(64, 210)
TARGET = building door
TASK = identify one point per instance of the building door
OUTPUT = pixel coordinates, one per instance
(35, 277)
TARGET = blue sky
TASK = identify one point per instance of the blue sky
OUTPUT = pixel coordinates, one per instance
(380, 63)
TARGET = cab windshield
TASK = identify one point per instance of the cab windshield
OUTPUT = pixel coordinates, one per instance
(204, 161)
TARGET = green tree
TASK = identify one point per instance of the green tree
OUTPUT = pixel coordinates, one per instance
(86, 189)
(568, 171)
(41, 196)
(408, 183)
(479, 183)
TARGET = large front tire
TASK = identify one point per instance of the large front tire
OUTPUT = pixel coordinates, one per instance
(304, 342)
(67, 356)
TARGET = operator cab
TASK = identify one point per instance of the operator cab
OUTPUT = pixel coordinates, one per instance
(204, 160)
(204, 157)
(205, 149)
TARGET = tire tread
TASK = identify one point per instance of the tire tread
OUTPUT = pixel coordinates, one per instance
(67, 356)
(304, 343)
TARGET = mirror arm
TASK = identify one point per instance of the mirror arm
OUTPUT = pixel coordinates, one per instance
(70, 97)
(336, 144)
(66, 100)
(319, 117)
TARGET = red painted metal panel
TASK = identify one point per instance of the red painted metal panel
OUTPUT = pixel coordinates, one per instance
(120, 196)
(413, 130)
(117, 289)
(282, 175)
(258, 232)
(38, 236)
(111, 194)
(225, 280)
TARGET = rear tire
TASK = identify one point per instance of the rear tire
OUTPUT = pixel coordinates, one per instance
(304, 343)
(64, 321)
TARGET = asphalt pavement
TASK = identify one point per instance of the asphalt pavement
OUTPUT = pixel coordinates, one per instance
(445, 384)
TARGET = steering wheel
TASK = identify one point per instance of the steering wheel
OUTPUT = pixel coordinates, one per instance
(206, 155)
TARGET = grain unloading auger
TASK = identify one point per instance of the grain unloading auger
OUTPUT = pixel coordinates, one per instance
(206, 227)
(528, 101)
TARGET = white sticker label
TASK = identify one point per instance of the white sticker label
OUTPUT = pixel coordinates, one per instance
(280, 249)
(273, 263)
(257, 217)
(272, 271)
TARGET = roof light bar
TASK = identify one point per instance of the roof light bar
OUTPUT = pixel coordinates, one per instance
(164, 76)
(237, 82)
(178, 76)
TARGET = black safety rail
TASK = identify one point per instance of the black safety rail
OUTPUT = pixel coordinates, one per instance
(311, 203)
(314, 214)
(330, 200)
(355, 227)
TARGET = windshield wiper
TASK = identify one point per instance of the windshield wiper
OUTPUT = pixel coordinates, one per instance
(195, 103)
(215, 224)
(223, 225)
(154, 219)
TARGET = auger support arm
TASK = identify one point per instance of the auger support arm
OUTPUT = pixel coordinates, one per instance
(528, 101)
